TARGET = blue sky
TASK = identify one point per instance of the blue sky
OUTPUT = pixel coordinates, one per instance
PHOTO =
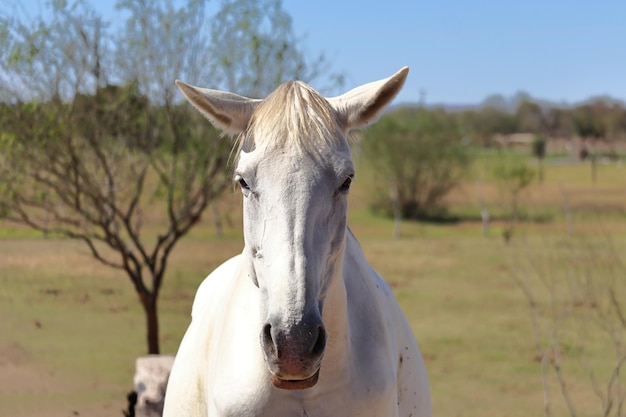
(462, 51)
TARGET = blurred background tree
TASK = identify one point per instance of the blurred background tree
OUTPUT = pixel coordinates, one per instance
(419, 156)
(513, 176)
(539, 152)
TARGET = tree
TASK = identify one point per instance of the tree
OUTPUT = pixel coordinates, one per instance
(96, 138)
(589, 125)
(419, 156)
(530, 117)
(249, 34)
(513, 176)
(539, 151)
(484, 123)
(558, 122)
(575, 290)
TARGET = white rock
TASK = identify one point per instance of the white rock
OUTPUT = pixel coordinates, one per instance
(151, 375)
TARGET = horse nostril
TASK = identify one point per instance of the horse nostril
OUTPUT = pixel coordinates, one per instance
(320, 343)
(268, 341)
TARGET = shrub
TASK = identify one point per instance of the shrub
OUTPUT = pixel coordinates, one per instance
(419, 156)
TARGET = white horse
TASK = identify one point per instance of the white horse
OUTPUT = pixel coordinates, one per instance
(298, 324)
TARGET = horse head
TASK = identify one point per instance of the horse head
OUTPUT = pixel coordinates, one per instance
(294, 169)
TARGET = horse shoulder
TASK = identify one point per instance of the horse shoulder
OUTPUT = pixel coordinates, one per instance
(388, 325)
(371, 328)
(413, 388)
(214, 286)
(187, 386)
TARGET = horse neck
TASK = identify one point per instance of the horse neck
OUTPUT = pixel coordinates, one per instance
(336, 305)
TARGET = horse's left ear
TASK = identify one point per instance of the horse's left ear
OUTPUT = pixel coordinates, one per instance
(361, 106)
(228, 112)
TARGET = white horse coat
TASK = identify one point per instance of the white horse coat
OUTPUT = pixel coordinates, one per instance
(298, 324)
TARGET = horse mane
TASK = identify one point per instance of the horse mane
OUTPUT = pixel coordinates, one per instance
(296, 115)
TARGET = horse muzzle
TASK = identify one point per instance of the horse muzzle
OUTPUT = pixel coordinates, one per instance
(293, 356)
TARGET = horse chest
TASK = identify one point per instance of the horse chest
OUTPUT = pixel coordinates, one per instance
(266, 401)
(343, 389)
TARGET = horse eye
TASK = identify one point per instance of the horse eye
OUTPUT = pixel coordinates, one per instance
(346, 184)
(243, 184)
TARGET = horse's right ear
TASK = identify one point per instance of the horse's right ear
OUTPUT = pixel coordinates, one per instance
(228, 112)
(363, 105)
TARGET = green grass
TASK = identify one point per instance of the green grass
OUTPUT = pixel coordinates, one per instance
(77, 327)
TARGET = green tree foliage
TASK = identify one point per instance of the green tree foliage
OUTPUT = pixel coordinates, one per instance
(530, 117)
(484, 123)
(588, 121)
(419, 157)
(558, 122)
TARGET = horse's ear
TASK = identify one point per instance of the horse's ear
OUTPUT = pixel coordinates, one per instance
(226, 111)
(361, 106)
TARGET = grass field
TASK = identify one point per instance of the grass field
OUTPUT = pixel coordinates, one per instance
(71, 329)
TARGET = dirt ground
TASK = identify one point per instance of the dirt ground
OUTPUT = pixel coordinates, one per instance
(43, 394)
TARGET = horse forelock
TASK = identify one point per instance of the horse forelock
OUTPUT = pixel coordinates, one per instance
(293, 115)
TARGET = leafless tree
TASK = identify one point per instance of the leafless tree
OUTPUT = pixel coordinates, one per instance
(575, 287)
